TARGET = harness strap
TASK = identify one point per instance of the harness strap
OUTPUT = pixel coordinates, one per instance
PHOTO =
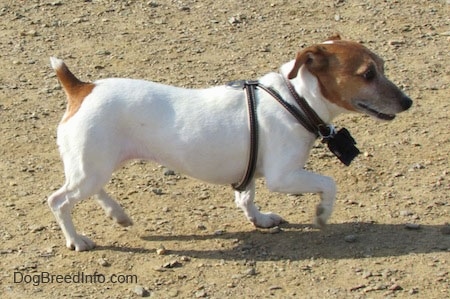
(294, 111)
(320, 127)
(340, 143)
(250, 87)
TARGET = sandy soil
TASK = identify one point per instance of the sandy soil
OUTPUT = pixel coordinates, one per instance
(367, 251)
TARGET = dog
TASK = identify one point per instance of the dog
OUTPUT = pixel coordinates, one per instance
(204, 133)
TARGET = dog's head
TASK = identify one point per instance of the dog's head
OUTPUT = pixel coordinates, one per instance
(352, 77)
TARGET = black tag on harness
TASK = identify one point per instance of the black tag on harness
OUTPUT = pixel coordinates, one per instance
(343, 146)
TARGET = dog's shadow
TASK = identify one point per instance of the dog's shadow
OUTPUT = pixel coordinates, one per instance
(301, 242)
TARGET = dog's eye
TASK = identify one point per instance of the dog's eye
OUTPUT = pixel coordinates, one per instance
(370, 74)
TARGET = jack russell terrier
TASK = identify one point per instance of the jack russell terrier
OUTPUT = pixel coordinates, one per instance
(205, 133)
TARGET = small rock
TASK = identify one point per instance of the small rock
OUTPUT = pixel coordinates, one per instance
(350, 238)
(234, 20)
(201, 227)
(405, 213)
(203, 196)
(367, 274)
(161, 250)
(141, 291)
(273, 288)
(167, 171)
(157, 191)
(416, 166)
(172, 264)
(275, 230)
(103, 262)
(412, 226)
(30, 33)
(201, 294)
(37, 228)
(395, 287)
(367, 154)
(413, 291)
(396, 43)
(219, 232)
(103, 52)
(250, 272)
(185, 8)
(173, 293)
(185, 258)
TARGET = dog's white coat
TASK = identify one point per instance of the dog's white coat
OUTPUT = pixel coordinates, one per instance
(202, 133)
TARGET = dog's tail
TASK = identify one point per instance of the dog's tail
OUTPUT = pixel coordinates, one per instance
(75, 89)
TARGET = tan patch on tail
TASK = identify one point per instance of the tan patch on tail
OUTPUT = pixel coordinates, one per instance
(75, 89)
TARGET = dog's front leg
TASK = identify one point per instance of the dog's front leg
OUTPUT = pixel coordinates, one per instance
(301, 181)
(244, 200)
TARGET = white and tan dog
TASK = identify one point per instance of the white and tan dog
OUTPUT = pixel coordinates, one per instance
(204, 133)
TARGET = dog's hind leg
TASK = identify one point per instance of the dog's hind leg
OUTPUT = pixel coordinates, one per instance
(244, 200)
(83, 179)
(61, 203)
(113, 209)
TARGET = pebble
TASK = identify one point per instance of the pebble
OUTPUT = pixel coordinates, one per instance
(412, 226)
(203, 196)
(234, 20)
(250, 272)
(173, 293)
(103, 52)
(396, 43)
(167, 171)
(161, 250)
(37, 228)
(350, 238)
(395, 287)
(141, 291)
(103, 262)
(185, 258)
(275, 230)
(172, 264)
(201, 294)
(157, 191)
(405, 213)
(219, 232)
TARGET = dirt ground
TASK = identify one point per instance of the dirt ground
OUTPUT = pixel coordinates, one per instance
(388, 237)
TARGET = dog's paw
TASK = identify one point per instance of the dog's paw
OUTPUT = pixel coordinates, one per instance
(123, 220)
(266, 220)
(80, 243)
(322, 215)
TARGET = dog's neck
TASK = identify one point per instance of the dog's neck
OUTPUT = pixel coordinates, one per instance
(308, 87)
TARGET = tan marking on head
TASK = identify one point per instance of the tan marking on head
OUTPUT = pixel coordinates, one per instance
(339, 67)
(75, 89)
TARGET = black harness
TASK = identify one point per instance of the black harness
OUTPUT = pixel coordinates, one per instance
(341, 143)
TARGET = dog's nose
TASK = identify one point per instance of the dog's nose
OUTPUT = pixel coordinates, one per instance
(406, 102)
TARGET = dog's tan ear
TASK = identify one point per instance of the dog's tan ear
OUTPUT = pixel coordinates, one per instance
(313, 57)
(335, 36)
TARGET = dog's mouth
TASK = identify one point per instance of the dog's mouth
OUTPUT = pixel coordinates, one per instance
(373, 112)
